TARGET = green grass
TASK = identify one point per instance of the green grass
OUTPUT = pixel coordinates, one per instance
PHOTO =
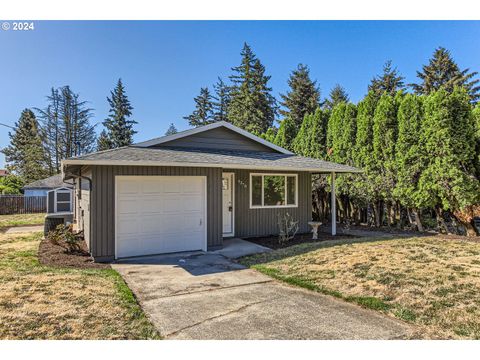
(21, 220)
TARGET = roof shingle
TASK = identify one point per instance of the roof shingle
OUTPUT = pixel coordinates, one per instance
(132, 155)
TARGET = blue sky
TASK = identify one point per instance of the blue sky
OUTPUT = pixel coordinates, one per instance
(164, 63)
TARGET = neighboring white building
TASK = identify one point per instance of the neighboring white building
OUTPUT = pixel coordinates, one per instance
(43, 186)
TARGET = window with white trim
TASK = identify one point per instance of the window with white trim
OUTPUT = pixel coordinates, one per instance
(273, 190)
(63, 200)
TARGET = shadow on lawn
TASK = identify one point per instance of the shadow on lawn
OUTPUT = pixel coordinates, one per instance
(300, 249)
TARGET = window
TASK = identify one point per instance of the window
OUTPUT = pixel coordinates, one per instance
(63, 200)
(273, 190)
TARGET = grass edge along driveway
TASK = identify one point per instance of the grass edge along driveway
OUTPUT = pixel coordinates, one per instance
(432, 282)
(44, 302)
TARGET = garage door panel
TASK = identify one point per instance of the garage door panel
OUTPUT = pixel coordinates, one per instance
(128, 187)
(191, 187)
(160, 214)
(127, 226)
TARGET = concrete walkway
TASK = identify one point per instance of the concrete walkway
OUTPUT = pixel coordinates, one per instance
(207, 296)
(24, 229)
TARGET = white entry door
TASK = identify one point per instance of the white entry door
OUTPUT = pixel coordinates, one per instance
(228, 210)
(160, 214)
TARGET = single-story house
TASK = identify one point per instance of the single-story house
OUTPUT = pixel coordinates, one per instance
(190, 190)
(43, 186)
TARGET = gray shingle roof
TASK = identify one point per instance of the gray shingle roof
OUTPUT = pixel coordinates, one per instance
(51, 182)
(218, 158)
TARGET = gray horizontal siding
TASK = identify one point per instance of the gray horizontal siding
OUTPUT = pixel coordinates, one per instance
(262, 222)
(102, 227)
(218, 139)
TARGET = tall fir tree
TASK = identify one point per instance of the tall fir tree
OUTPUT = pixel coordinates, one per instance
(221, 100)
(203, 113)
(302, 98)
(365, 188)
(66, 127)
(337, 96)
(443, 72)
(25, 156)
(448, 135)
(50, 124)
(341, 134)
(409, 154)
(384, 138)
(78, 135)
(119, 124)
(251, 106)
(312, 136)
(171, 130)
(390, 81)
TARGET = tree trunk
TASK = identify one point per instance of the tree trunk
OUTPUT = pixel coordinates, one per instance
(441, 221)
(418, 222)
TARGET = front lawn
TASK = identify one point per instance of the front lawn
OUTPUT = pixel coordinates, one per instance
(433, 282)
(42, 302)
(21, 220)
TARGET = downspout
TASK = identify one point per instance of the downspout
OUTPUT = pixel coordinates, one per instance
(80, 176)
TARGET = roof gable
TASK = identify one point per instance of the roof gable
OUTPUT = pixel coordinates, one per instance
(218, 136)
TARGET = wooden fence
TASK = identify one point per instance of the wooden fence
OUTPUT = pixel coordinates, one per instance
(19, 204)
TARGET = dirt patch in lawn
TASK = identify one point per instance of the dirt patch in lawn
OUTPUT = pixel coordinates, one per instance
(57, 255)
(272, 240)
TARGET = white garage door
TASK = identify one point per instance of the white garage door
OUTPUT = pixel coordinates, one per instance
(160, 214)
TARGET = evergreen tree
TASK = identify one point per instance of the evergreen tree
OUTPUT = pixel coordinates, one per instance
(171, 130)
(390, 81)
(103, 141)
(366, 191)
(337, 95)
(25, 156)
(285, 134)
(203, 113)
(409, 153)
(251, 106)
(384, 139)
(77, 134)
(119, 124)
(11, 185)
(448, 136)
(303, 97)
(50, 124)
(342, 133)
(311, 138)
(221, 100)
(443, 72)
(270, 134)
(476, 116)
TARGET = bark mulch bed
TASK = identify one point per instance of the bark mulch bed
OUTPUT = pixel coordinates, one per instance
(272, 240)
(56, 255)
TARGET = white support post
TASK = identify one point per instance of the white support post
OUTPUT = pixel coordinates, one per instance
(334, 207)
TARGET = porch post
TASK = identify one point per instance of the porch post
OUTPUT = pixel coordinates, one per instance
(333, 207)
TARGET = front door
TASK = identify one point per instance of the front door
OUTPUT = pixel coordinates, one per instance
(227, 195)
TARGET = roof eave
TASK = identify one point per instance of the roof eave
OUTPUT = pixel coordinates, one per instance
(211, 165)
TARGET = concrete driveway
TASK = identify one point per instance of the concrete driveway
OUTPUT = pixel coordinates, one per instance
(207, 296)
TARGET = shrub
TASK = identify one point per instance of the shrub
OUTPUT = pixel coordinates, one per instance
(64, 234)
(288, 228)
